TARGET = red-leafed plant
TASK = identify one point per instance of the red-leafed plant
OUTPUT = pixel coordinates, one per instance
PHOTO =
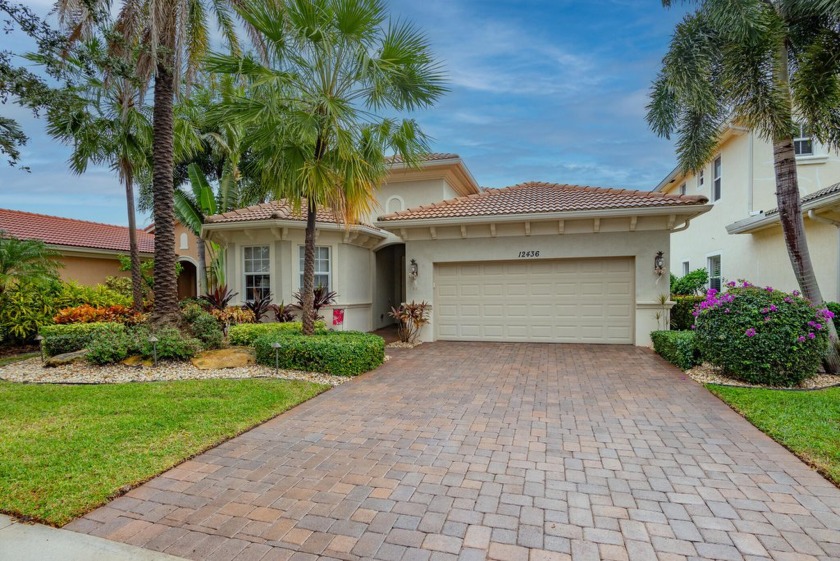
(94, 314)
(412, 317)
(219, 298)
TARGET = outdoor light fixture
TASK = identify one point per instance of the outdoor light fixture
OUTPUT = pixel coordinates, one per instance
(154, 341)
(276, 347)
(413, 270)
(659, 263)
(40, 341)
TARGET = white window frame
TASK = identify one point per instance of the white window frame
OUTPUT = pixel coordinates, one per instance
(701, 179)
(682, 189)
(685, 268)
(712, 277)
(802, 138)
(328, 274)
(247, 295)
(717, 179)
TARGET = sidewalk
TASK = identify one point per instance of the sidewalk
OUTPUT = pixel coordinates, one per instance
(35, 542)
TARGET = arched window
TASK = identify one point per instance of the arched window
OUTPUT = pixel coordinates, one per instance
(185, 241)
(394, 204)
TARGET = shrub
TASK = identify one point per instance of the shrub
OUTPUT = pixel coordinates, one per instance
(93, 314)
(412, 318)
(108, 347)
(24, 309)
(682, 317)
(677, 347)
(74, 294)
(172, 344)
(259, 306)
(219, 297)
(59, 339)
(233, 315)
(246, 334)
(207, 330)
(283, 312)
(321, 297)
(343, 353)
(834, 308)
(761, 335)
(692, 283)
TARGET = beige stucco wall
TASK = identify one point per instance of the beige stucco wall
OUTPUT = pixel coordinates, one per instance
(400, 195)
(639, 245)
(748, 186)
(90, 270)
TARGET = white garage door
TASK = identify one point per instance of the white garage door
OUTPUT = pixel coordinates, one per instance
(560, 301)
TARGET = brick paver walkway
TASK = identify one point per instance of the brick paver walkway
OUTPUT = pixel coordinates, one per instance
(499, 451)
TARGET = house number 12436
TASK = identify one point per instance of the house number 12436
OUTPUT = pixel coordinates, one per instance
(531, 253)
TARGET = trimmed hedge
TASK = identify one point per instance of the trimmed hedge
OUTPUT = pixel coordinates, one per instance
(682, 314)
(246, 334)
(677, 347)
(67, 338)
(343, 353)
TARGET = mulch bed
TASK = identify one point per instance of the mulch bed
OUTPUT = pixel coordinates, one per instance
(708, 374)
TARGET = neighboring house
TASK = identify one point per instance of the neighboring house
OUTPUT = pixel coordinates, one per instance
(533, 262)
(90, 251)
(741, 238)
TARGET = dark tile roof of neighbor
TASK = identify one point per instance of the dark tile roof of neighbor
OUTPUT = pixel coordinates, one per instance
(55, 230)
(273, 210)
(538, 197)
(816, 195)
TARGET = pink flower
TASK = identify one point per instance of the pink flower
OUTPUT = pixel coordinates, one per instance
(750, 332)
(768, 288)
(693, 326)
(731, 284)
(788, 300)
(826, 313)
(773, 308)
(796, 293)
(818, 326)
(811, 336)
(801, 339)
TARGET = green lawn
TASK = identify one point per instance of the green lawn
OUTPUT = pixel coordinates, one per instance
(67, 449)
(807, 423)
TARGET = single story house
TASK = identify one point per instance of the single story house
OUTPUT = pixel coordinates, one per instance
(535, 262)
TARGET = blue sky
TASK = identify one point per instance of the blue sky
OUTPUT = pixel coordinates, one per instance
(543, 90)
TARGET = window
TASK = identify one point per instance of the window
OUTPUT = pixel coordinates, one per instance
(322, 266)
(185, 241)
(716, 179)
(803, 143)
(685, 268)
(257, 273)
(701, 179)
(714, 272)
(682, 189)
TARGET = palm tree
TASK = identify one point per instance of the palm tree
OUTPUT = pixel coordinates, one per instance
(175, 37)
(765, 64)
(316, 135)
(107, 124)
(29, 260)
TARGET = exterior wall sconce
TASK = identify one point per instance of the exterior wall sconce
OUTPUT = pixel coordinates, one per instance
(413, 270)
(659, 263)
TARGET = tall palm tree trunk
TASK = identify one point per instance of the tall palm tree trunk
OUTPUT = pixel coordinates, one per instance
(793, 228)
(133, 250)
(308, 290)
(166, 284)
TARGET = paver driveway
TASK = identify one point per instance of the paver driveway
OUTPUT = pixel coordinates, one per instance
(501, 451)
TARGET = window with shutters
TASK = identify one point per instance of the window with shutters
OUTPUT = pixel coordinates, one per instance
(714, 270)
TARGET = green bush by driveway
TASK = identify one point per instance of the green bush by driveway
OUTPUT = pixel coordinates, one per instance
(66, 338)
(245, 334)
(677, 347)
(343, 353)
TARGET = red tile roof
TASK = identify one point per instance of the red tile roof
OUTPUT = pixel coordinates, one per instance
(55, 230)
(538, 197)
(273, 210)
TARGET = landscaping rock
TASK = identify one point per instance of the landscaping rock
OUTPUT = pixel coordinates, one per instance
(137, 360)
(66, 358)
(224, 358)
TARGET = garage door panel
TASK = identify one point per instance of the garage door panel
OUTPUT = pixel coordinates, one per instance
(567, 300)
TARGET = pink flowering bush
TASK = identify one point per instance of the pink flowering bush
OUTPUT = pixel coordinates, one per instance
(761, 335)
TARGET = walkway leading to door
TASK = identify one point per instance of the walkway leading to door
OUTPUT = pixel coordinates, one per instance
(500, 451)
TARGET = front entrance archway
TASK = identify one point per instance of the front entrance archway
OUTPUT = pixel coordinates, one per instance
(389, 284)
(187, 280)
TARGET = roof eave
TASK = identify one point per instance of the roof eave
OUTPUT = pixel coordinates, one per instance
(460, 170)
(689, 211)
(762, 221)
(280, 223)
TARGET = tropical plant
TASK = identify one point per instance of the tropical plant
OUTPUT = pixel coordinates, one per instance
(321, 297)
(173, 37)
(106, 123)
(283, 312)
(192, 209)
(29, 260)
(259, 305)
(761, 335)
(233, 315)
(219, 297)
(690, 284)
(315, 134)
(95, 314)
(411, 318)
(764, 64)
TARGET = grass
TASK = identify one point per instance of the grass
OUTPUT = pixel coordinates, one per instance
(806, 422)
(15, 358)
(68, 449)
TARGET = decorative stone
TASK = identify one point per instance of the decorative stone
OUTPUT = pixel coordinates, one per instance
(66, 358)
(224, 358)
(137, 360)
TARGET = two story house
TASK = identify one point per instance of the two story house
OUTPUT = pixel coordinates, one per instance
(741, 237)
(533, 262)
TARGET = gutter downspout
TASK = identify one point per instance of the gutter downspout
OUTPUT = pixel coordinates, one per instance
(817, 218)
(685, 227)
